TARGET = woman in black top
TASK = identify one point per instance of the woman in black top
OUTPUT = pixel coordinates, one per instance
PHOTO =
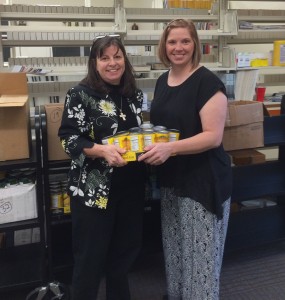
(194, 172)
(107, 194)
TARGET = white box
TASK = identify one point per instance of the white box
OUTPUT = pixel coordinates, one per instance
(18, 203)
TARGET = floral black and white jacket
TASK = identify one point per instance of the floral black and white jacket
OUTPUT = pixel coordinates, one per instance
(88, 117)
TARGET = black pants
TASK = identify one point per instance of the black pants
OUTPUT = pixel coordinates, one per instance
(107, 242)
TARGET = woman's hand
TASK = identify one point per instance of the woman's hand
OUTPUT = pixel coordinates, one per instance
(111, 153)
(157, 154)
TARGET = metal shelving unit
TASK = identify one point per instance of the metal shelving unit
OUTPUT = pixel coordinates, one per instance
(254, 227)
(25, 265)
(58, 227)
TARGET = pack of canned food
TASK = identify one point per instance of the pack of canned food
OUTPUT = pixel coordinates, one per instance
(60, 201)
(135, 139)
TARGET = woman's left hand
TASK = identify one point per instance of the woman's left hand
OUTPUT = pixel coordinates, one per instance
(156, 154)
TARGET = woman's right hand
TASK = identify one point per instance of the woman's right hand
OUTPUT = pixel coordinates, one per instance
(111, 153)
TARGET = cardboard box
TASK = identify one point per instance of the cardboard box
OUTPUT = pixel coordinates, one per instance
(244, 125)
(15, 133)
(54, 115)
(247, 157)
(18, 203)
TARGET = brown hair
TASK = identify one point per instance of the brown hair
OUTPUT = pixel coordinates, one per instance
(180, 23)
(94, 80)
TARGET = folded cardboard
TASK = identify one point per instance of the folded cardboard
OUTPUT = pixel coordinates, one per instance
(18, 203)
(247, 157)
(244, 125)
(15, 133)
(53, 117)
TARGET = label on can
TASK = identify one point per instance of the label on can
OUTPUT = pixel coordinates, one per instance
(123, 142)
(173, 135)
(148, 137)
(108, 140)
(161, 136)
(119, 138)
(56, 199)
(136, 142)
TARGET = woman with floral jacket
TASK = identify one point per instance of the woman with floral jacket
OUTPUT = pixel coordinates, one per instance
(107, 193)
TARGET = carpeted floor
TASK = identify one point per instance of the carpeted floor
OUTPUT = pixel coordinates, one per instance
(252, 274)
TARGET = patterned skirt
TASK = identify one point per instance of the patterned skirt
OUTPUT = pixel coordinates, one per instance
(193, 246)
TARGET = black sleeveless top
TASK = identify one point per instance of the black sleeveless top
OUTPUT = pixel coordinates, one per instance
(204, 177)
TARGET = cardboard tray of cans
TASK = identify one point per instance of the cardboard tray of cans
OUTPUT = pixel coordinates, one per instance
(137, 138)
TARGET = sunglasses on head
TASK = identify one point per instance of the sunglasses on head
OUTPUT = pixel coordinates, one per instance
(107, 35)
(175, 20)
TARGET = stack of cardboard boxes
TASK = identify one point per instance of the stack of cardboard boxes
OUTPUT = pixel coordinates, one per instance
(17, 202)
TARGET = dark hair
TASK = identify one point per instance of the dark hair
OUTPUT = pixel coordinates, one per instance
(94, 80)
(180, 23)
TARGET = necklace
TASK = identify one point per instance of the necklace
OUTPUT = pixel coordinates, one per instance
(121, 115)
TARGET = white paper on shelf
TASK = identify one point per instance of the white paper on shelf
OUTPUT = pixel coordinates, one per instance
(245, 84)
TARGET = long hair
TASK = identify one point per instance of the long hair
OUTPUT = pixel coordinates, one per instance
(93, 78)
(180, 23)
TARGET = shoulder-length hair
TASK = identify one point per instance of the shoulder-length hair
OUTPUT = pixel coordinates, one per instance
(94, 80)
(180, 23)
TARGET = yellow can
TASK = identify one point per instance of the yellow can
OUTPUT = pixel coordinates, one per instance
(119, 138)
(148, 137)
(136, 142)
(144, 126)
(66, 203)
(108, 140)
(161, 136)
(158, 128)
(56, 198)
(123, 142)
(279, 53)
(173, 135)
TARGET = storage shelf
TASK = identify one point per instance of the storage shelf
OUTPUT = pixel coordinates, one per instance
(96, 29)
(274, 133)
(261, 30)
(21, 163)
(43, 43)
(271, 70)
(24, 266)
(20, 266)
(262, 19)
(248, 41)
(264, 179)
(60, 219)
(154, 34)
(267, 179)
(25, 224)
(56, 17)
(166, 18)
